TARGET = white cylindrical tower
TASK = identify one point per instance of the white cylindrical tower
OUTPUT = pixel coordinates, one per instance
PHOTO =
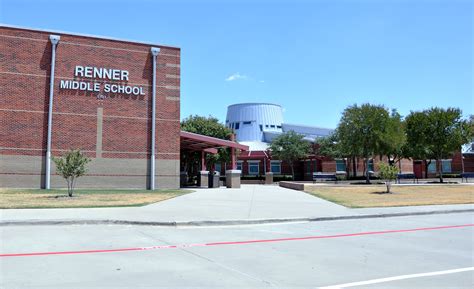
(250, 120)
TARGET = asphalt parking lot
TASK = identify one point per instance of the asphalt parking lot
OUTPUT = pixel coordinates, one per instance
(433, 251)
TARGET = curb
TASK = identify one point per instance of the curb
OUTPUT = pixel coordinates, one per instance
(224, 222)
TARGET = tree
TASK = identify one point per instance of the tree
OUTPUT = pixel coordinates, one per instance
(388, 173)
(209, 126)
(71, 166)
(394, 139)
(437, 133)
(418, 138)
(329, 146)
(289, 147)
(366, 131)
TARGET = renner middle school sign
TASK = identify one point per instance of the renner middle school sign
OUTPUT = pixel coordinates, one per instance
(101, 73)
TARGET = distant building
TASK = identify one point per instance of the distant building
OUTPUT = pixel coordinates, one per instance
(468, 157)
(257, 124)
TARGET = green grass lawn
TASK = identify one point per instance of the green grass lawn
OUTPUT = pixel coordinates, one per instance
(82, 198)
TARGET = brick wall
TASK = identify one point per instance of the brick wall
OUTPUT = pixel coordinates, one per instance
(456, 163)
(115, 129)
(469, 163)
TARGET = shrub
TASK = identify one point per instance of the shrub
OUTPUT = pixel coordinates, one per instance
(71, 166)
(388, 173)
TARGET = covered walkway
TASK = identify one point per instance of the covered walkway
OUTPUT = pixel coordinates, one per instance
(202, 145)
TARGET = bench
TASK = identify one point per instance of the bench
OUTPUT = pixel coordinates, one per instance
(466, 176)
(324, 176)
(407, 176)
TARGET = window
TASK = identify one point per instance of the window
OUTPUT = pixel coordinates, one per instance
(266, 125)
(237, 124)
(253, 168)
(308, 167)
(341, 166)
(446, 166)
(272, 126)
(247, 122)
(275, 167)
(261, 127)
(278, 126)
(371, 165)
(217, 167)
(239, 165)
(432, 167)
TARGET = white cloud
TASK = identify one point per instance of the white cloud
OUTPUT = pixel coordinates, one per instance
(261, 81)
(236, 76)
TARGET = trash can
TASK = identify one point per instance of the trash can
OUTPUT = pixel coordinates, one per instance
(217, 180)
(183, 179)
(214, 179)
(203, 179)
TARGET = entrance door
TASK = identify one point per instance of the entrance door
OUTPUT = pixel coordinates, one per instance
(418, 169)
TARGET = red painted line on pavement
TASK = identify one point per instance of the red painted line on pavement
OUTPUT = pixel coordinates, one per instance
(234, 242)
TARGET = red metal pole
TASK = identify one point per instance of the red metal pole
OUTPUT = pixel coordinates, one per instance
(232, 154)
(232, 158)
(203, 161)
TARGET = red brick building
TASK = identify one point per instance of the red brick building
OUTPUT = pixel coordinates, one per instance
(102, 104)
(305, 168)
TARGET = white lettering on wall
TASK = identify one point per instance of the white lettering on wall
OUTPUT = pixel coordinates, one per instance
(64, 84)
(101, 73)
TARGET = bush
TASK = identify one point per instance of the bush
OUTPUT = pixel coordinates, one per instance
(363, 178)
(71, 166)
(282, 178)
(341, 177)
(388, 173)
(450, 175)
(252, 177)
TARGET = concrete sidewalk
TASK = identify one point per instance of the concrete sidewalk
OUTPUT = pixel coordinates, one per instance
(249, 204)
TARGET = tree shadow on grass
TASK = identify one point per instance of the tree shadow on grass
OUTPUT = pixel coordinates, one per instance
(381, 193)
(62, 197)
(365, 184)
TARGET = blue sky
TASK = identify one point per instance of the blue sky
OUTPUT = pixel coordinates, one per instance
(313, 57)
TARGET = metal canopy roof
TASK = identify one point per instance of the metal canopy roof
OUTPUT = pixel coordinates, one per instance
(198, 142)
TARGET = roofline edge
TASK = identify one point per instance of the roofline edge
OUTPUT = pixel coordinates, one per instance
(86, 35)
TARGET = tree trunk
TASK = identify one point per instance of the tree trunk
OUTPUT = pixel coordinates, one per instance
(367, 177)
(68, 186)
(346, 160)
(439, 169)
(354, 167)
(426, 168)
(292, 170)
(389, 185)
(70, 191)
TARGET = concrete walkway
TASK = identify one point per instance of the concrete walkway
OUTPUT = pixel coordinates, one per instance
(250, 202)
